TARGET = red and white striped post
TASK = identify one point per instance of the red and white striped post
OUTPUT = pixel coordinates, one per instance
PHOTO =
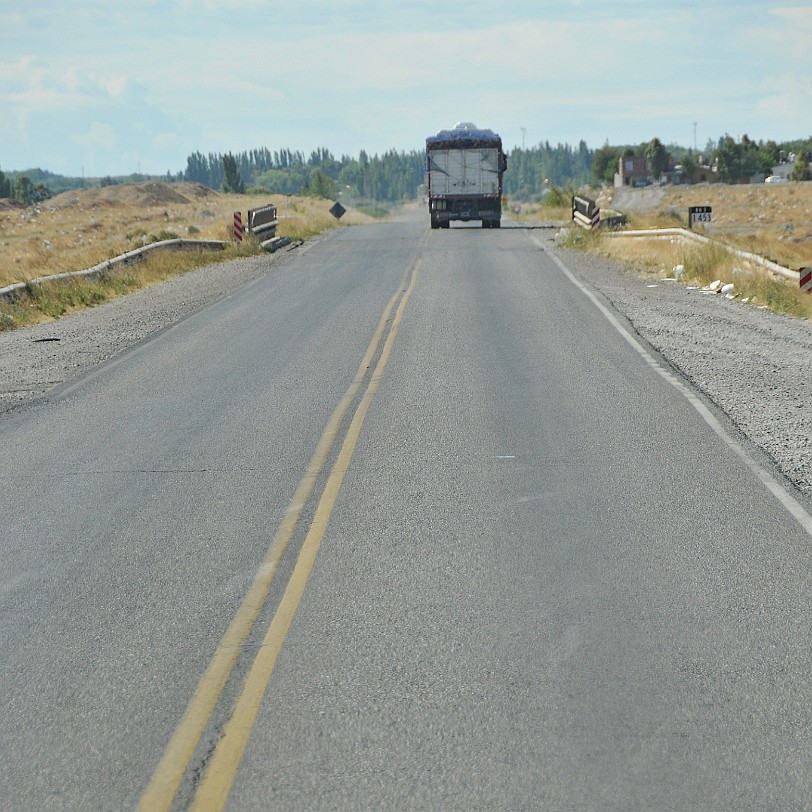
(806, 280)
(237, 231)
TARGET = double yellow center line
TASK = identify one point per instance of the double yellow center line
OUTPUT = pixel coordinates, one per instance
(212, 792)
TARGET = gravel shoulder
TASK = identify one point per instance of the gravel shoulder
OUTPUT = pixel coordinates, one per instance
(35, 359)
(756, 366)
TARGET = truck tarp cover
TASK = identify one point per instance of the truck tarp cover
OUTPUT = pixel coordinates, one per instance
(464, 138)
(464, 171)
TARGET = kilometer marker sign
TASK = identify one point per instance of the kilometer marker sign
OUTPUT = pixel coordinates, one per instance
(698, 214)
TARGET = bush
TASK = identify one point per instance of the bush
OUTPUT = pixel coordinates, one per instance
(559, 198)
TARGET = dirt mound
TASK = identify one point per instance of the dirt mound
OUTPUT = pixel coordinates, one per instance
(646, 199)
(146, 194)
(196, 191)
(158, 194)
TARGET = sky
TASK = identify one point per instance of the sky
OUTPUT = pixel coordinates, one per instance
(96, 88)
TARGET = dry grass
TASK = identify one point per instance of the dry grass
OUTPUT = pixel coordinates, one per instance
(703, 264)
(538, 212)
(80, 229)
(772, 220)
(39, 303)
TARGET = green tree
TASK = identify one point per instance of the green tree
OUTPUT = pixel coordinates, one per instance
(727, 159)
(5, 185)
(770, 155)
(320, 185)
(232, 182)
(282, 181)
(657, 157)
(801, 170)
(39, 193)
(689, 165)
(23, 189)
(736, 162)
(605, 163)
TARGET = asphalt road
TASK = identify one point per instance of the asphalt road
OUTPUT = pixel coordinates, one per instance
(495, 557)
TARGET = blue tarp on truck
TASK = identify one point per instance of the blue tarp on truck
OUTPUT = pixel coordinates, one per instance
(471, 138)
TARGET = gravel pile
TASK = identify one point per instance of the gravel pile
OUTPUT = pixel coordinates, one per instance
(755, 365)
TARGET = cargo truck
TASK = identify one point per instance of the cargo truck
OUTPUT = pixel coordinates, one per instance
(464, 167)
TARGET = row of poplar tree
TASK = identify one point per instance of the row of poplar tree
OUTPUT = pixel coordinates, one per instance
(531, 172)
(390, 177)
(396, 176)
(393, 176)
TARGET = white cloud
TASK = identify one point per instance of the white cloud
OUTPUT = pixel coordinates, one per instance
(171, 76)
(29, 85)
(795, 15)
(786, 104)
(99, 136)
(793, 36)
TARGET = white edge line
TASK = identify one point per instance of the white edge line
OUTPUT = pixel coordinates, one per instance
(795, 509)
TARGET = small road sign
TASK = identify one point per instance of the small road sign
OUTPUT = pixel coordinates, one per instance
(337, 210)
(698, 214)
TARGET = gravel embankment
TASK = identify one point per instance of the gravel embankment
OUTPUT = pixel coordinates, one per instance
(755, 365)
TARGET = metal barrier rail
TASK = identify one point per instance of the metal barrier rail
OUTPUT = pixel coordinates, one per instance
(11, 293)
(262, 222)
(670, 233)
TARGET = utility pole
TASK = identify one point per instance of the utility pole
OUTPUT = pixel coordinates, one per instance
(694, 136)
(524, 133)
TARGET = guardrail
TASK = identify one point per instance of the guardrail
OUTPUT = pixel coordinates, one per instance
(682, 233)
(586, 213)
(11, 293)
(262, 222)
(614, 221)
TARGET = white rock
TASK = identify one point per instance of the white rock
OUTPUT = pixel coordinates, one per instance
(714, 286)
(727, 288)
